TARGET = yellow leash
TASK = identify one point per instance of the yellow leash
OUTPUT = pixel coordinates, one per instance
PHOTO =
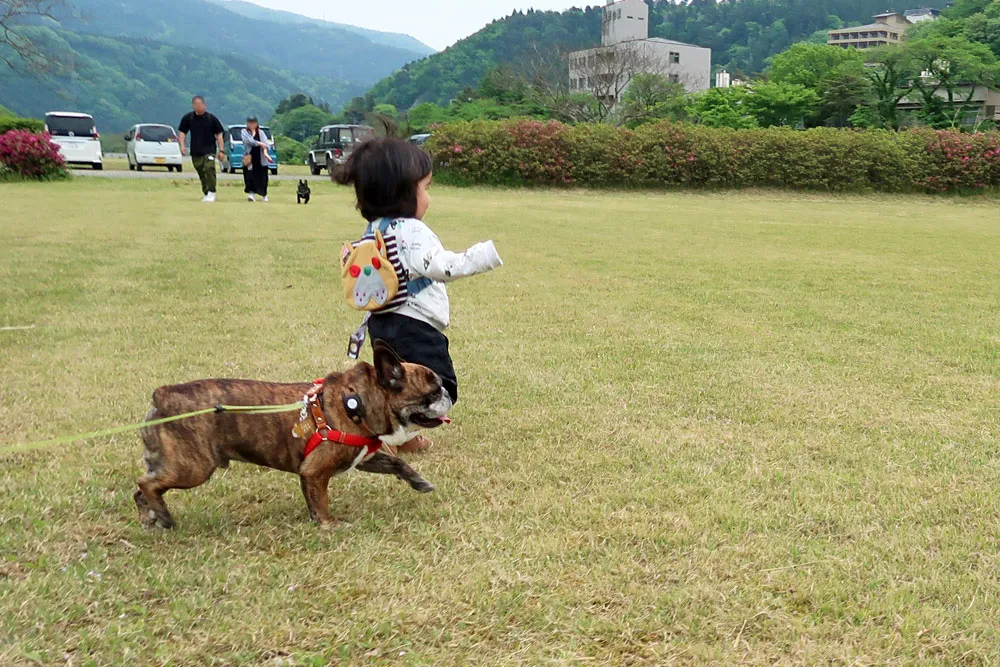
(219, 409)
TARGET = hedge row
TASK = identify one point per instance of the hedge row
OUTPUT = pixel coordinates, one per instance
(668, 155)
(8, 123)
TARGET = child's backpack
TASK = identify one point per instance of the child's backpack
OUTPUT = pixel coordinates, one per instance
(374, 279)
(370, 280)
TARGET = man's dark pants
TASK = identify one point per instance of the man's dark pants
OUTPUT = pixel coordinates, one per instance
(205, 166)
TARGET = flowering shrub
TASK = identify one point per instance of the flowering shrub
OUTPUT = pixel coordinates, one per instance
(529, 152)
(31, 155)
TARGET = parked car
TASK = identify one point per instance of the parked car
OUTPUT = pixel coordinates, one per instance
(334, 145)
(76, 136)
(151, 145)
(419, 139)
(232, 158)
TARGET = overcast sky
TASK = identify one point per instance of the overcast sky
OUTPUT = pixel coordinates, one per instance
(437, 23)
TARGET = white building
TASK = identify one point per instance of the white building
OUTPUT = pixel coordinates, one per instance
(627, 49)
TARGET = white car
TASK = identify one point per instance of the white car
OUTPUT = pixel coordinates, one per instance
(152, 145)
(76, 136)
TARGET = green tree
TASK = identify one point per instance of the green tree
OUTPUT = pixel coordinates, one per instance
(424, 116)
(723, 107)
(292, 102)
(651, 97)
(961, 9)
(289, 150)
(774, 103)
(841, 93)
(301, 124)
(949, 70)
(889, 72)
(808, 64)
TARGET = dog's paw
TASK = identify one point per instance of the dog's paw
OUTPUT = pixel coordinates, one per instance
(423, 486)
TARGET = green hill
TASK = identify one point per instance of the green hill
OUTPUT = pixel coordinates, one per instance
(742, 34)
(125, 81)
(393, 39)
(313, 48)
(520, 38)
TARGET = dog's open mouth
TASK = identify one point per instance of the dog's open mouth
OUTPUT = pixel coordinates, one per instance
(429, 422)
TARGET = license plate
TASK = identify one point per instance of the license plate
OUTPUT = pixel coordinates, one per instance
(161, 160)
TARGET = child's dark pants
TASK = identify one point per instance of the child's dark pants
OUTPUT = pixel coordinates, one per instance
(416, 342)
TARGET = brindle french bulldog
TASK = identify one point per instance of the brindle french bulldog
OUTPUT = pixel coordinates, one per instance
(393, 398)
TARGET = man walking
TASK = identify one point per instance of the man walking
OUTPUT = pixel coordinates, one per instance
(206, 139)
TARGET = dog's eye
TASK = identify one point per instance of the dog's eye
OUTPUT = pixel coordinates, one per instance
(376, 263)
(355, 270)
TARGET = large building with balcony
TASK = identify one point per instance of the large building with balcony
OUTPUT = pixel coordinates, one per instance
(889, 28)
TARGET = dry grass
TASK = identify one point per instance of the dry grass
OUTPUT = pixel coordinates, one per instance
(754, 429)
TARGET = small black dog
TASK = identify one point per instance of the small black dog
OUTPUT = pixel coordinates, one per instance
(304, 194)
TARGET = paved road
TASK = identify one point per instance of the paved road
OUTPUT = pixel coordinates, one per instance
(185, 175)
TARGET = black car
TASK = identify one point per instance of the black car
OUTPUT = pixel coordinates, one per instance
(334, 144)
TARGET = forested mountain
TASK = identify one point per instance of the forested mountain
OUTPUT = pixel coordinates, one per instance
(393, 39)
(314, 48)
(528, 38)
(127, 61)
(742, 34)
(125, 81)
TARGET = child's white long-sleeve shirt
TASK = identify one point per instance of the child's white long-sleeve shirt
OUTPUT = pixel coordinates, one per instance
(422, 255)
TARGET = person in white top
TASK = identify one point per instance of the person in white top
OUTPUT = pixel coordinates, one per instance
(391, 179)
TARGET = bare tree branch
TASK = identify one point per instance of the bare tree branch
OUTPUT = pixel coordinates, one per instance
(18, 50)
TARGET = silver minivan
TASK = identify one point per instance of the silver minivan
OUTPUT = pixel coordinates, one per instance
(153, 145)
(76, 136)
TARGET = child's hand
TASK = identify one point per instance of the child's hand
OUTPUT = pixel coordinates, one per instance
(486, 255)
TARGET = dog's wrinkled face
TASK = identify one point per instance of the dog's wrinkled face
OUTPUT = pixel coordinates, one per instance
(303, 187)
(414, 394)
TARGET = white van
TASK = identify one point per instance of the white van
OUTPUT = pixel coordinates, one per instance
(152, 145)
(76, 136)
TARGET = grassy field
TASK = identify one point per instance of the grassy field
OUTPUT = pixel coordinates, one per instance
(694, 429)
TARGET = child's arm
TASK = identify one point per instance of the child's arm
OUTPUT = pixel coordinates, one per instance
(427, 257)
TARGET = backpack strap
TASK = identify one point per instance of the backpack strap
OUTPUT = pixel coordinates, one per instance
(415, 286)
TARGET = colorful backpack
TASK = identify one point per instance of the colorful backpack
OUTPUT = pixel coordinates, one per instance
(370, 279)
(374, 279)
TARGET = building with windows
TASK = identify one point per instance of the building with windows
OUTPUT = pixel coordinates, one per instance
(627, 49)
(889, 28)
(971, 105)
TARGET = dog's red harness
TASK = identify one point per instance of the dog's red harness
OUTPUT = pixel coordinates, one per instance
(326, 434)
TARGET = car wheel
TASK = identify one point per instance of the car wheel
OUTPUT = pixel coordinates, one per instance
(138, 167)
(180, 168)
(330, 164)
(131, 167)
(314, 168)
(98, 166)
(170, 169)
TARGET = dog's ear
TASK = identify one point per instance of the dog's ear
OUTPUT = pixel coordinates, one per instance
(388, 366)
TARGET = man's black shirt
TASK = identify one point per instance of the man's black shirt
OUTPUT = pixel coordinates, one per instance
(202, 130)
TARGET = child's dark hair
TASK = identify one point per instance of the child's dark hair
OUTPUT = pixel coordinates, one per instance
(385, 173)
